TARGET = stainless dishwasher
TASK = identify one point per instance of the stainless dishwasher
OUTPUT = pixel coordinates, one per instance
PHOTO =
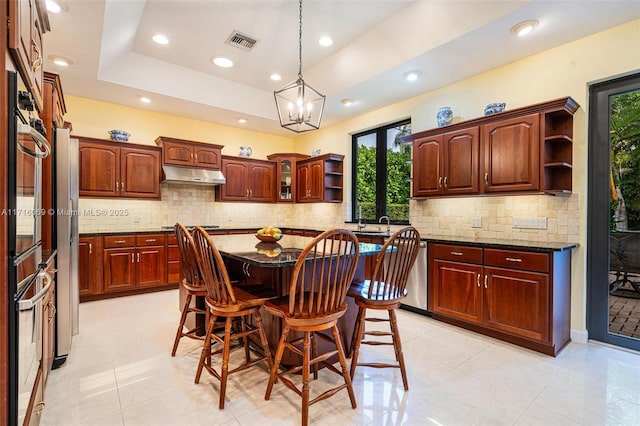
(416, 299)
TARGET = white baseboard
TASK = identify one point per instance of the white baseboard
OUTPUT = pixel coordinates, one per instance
(579, 336)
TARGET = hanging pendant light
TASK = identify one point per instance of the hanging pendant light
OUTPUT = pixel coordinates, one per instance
(299, 105)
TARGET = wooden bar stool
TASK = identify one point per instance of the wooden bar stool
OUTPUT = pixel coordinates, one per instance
(316, 300)
(385, 291)
(235, 305)
(192, 282)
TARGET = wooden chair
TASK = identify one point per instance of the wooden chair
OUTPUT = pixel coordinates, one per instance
(385, 291)
(316, 300)
(234, 304)
(192, 282)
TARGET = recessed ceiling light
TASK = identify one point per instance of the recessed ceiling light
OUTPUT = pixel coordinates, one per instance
(524, 28)
(160, 39)
(242, 120)
(276, 77)
(53, 6)
(144, 99)
(346, 102)
(222, 62)
(325, 41)
(411, 75)
(60, 61)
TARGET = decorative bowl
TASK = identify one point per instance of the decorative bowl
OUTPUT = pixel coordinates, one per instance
(494, 108)
(268, 238)
(119, 135)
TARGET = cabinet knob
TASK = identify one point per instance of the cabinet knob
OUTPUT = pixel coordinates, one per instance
(456, 253)
(132, 258)
(514, 259)
(37, 63)
(446, 181)
(486, 178)
(117, 186)
(150, 240)
(440, 182)
(39, 408)
(52, 311)
(478, 280)
(485, 280)
(138, 257)
(122, 186)
(90, 248)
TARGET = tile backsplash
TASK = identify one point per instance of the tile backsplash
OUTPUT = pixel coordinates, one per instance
(445, 216)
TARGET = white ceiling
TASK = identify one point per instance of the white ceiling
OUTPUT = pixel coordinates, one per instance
(375, 43)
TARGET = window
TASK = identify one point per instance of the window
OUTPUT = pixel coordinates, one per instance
(381, 173)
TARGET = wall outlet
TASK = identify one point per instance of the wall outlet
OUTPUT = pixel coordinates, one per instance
(476, 222)
(530, 222)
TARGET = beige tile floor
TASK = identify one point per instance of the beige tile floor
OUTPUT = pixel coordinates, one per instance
(120, 372)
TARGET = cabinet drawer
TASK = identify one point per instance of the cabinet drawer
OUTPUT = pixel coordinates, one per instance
(120, 241)
(457, 253)
(173, 254)
(171, 240)
(517, 259)
(150, 240)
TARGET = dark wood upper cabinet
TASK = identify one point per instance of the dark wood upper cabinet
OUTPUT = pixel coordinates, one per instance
(109, 169)
(28, 21)
(525, 150)
(247, 180)
(511, 154)
(286, 176)
(320, 179)
(182, 152)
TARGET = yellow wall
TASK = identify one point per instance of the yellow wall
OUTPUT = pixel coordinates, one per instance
(94, 119)
(562, 71)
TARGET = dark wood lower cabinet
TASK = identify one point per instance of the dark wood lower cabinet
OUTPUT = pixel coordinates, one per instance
(520, 296)
(89, 265)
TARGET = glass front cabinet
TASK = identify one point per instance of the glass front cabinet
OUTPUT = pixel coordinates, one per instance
(286, 175)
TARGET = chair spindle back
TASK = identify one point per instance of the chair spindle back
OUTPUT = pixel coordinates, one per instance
(214, 272)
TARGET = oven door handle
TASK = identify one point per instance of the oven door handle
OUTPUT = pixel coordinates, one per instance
(40, 140)
(25, 305)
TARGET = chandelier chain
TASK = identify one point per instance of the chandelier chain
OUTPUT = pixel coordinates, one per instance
(300, 42)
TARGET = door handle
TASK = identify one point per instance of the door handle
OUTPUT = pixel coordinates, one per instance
(25, 305)
(138, 257)
(478, 280)
(117, 186)
(90, 248)
(132, 258)
(440, 182)
(485, 280)
(486, 178)
(456, 253)
(446, 181)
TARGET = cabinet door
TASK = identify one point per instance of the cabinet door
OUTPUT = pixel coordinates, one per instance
(302, 183)
(209, 158)
(457, 290)
(511, 159)
(140, 173)
(427, 166)
(99, 170)
(461, 157)
(151, 266)
(119, 269)
(237, 174)
(517, 302)
(262, 182)
(316, 181)
(89, 265)
(177, 153)
(174, 266)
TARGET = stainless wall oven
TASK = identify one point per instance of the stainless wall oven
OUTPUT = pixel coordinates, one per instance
(28, 283)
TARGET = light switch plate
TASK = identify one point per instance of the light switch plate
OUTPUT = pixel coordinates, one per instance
(476, 222)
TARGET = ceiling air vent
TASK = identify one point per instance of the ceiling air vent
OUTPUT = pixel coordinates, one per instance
(241, 41)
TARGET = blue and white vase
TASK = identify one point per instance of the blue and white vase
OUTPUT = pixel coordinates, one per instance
(444, 116)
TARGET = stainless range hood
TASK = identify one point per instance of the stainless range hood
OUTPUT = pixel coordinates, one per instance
(193, 175)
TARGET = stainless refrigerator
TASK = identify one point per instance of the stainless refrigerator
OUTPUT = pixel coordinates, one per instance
(67, 293)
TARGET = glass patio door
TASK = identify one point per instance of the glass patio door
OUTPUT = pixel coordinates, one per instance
(613, 222)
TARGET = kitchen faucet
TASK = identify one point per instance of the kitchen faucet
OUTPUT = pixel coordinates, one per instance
(361, 225)
(388, 222)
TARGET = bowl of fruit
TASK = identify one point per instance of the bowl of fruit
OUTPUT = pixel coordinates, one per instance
(269, 234)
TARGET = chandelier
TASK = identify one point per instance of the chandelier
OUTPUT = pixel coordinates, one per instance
(299, 105)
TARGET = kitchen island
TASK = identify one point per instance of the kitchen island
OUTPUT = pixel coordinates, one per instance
(250, 261)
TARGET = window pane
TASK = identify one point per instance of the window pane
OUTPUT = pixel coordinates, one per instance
(366, 177)
(398, 173)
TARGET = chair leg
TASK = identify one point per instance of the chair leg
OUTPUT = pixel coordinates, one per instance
(276, 363)
(306, 351)
(263, 339)
(343, 365)
(314, 353)
(183, 318)
(225, 361)
(245, 339)
(354, 336)
(398, 347)
(355, 349)
(206, 348)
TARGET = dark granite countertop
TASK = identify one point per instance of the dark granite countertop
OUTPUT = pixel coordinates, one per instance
(501, 243)
(246, 248)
